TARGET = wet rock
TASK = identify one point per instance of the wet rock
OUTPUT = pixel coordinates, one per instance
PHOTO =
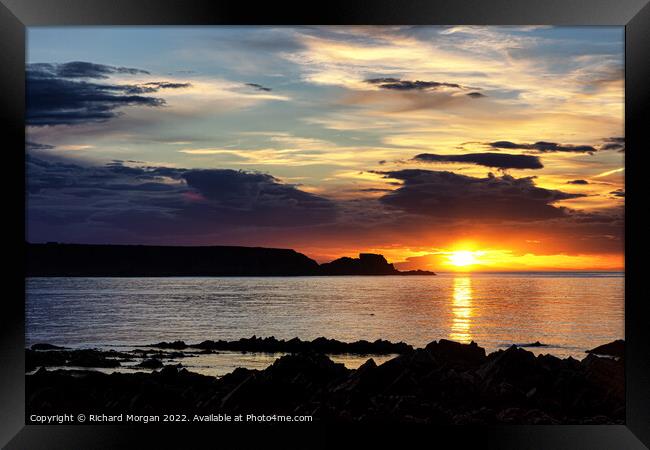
(91, 358)
(314, 367)
(45, 346)
(176, 345)
(463, 356)
(607, 379)
(151, 363)
(295, 345)
(615, 348)
(361, 380)
(172, 370)
(78, 358)
(514, 366)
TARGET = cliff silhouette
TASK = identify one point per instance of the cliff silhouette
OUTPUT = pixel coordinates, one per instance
(86, 260)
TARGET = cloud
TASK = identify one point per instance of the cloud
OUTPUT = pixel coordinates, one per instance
(447, 195)
(251, 191)
(155, 86)
(406, 85)
(139, 203)
(578, 182)
(543, 147)
(259, 87)
(497, 160)
(618, 193)
(614, 143)
(55, 95)
(79, 69)
(38, 146)
(475, 95)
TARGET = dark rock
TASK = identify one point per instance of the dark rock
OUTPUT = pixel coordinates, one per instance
(313, 367)
(176, 345)
(172, 370)
(151, 363)
(365, 264)
(295, 345)
(361, 380)
(515, 366)
(75, 260)
(45, 346)
(78, 358)
(463, 356)
(607, 378)
(91, 358)
(445, 383)
(615, 348)
(525, 417)
(416, 272)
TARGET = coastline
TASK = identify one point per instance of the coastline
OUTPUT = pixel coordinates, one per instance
(444, 382)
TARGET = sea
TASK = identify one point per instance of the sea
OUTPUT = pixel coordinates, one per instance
(566, 312)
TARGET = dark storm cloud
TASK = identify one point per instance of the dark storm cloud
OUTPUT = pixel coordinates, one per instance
(543, 147)
(614, 143)
(259, 87)
(147, 88)
(150, 202)
(497, 160)
(79, 69)
(578, 182)
(438, 194)
(38, 146)
(406, 85)
(56, 96)
(53, 101)
(254, 191)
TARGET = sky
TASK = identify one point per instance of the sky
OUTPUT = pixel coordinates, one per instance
(440, 147)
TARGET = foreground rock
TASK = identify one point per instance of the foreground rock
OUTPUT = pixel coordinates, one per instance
(444, 383)
(615, 349)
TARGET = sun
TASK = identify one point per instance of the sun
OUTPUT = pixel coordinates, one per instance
(462, 258)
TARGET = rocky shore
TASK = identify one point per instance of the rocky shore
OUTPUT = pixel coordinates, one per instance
(444, 383)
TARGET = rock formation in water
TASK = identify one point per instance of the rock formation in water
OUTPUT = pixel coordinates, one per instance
(295, 345)
(365, 264)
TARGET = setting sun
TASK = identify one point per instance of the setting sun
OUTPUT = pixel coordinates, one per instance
(462, 258)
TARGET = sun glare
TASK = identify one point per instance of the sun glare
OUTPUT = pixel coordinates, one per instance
(462, 258)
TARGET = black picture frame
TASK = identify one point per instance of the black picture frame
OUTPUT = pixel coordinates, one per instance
(16, 15)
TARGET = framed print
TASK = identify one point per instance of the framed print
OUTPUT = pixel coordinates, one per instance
(289, 221)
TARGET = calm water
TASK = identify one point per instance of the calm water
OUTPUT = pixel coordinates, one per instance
(570, 312)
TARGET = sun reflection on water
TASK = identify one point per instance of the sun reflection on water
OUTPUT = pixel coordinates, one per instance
(462, 310)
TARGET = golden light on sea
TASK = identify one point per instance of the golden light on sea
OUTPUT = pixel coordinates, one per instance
(462, 310)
